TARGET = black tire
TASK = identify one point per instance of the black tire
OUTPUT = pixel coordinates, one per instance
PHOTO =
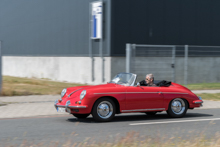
(106, 110)
(177, 108)
(151, 113)
(81, 115)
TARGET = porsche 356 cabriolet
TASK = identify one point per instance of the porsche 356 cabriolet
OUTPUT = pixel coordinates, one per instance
(124, 95)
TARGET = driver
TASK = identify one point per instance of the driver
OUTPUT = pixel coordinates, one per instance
(150, 80)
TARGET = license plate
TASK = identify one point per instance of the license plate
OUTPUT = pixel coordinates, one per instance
(61, 109)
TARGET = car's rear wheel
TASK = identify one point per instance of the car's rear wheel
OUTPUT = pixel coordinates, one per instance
(177, 107)
(151, 113)
(81, 115)
(104, 110)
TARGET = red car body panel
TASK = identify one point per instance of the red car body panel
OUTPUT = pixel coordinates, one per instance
(129, 98)
(144, 98)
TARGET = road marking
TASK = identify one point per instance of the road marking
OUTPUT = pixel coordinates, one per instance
(166, 122)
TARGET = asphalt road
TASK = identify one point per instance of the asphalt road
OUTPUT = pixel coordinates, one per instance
(63, 128)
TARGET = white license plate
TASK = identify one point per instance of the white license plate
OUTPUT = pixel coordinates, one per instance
(61, 109)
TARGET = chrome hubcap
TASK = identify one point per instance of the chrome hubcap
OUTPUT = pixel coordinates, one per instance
(178, 106)
(105, 109)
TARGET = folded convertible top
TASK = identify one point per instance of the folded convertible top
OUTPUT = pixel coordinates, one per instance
(164, 83)
(158, 83)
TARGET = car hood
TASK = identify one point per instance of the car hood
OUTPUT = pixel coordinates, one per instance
(90, 87)
(74, 91)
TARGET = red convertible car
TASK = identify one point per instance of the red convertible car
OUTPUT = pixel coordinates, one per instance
(122, 95)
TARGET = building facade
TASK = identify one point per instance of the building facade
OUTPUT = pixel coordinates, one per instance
(51, 38)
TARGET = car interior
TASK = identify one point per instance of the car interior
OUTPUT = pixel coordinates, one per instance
(159, 83)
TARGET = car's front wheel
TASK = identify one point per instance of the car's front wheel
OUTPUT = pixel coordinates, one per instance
(81, 115)
(177, 107)
(104, 110)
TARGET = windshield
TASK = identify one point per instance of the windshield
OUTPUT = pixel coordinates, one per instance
(127, 79)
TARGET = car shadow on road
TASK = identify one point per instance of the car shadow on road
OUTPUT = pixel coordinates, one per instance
(140, 117)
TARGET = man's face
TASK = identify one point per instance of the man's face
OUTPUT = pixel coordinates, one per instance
(148, 80)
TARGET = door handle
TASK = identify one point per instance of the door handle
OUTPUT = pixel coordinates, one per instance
(159, 92)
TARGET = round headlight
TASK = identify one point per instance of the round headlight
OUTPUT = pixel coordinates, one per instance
(83, 93)
(63, 92)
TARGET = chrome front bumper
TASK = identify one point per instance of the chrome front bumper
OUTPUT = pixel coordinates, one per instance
(67, 106)
(63, 106)
(200, 101)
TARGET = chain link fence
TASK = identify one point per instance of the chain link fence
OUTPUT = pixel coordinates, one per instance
(178, 63)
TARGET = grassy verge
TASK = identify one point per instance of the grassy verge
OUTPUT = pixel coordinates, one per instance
(2, 104)
(206, 86)
(14, 86)
(210, 96)
(203, 86)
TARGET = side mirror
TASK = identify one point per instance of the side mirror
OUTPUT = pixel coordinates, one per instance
(138, 84)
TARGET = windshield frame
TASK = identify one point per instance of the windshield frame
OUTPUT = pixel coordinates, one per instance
(129, 82)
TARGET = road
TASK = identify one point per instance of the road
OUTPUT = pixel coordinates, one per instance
(62, 128)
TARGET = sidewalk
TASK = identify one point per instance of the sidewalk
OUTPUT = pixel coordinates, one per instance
(26, 106)
(206, 91)
(39, 105)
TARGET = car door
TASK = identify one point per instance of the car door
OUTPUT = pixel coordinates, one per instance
(143, 97)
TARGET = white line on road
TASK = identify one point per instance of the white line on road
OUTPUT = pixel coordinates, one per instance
(166, 122)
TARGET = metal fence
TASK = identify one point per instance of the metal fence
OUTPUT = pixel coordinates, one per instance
(183, 64)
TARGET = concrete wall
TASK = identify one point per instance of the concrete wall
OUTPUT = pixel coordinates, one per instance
(70, 69)
(78, 69)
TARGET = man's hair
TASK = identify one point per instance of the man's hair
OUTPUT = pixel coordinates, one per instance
(151, 76)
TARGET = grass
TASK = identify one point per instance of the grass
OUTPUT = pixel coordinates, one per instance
(131, 139)
(210, 96)
(14, 86)
(2, 104)
(206, 86)
(203, 86)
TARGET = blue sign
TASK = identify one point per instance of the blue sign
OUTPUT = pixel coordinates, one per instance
(96, 20)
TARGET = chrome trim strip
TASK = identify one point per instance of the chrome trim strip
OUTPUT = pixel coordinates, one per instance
(141, 92)
(125, 92)
(77, 106)
(156, 109)
(63, 106)
(71, 106)
(173, 93)
(198, 102)
(74, 92)
(112, 93)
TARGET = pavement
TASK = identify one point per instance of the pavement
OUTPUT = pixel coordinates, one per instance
(43, 105)
(206, 91)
